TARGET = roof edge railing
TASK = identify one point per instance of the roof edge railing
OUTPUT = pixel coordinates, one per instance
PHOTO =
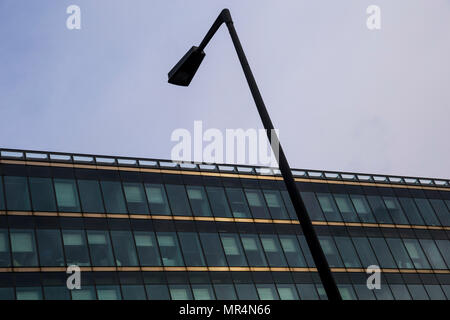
(80, 158)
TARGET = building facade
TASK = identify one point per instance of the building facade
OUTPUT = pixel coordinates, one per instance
(153, 229)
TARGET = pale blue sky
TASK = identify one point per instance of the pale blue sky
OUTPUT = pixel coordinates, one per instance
(343, 97)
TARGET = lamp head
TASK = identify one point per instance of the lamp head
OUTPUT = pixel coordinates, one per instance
(185, 69)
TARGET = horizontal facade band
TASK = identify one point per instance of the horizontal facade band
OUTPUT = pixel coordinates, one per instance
(216, 269)
(218, 174)
(217, 219)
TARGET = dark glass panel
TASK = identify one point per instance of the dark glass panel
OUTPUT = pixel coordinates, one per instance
(157, 199)
(411, 211)
(238, 203)
(292, 251)
(328, 206)
(56, 293)
(307, 291)
(135, 197)
(362, 208)
(433, 254)
(267, 292)
(233, 250)
(288, 203)
(257, 204)
(29, 293)
(331, 252)
(67, 195)
(346, 208)
(379, 209)
(17, 193)
(109, 292)
(133, 292)
(275, 204)
(113, 197)
(395, 210)
(170, 249)
(42, 194)
(246, 291)
(180, 292)
(213, 249)
(147, 248)
(218, 200)
(253, 250)
(203, 292)
(124, 248)
(287, 292)
(50, 247)
(347, 252)
(199, 202)
(441, 211)
(418, 292)
(427, 212)
(400, 292)
(178, 200)
(85, 293)
(399, 253)
(5, 256)
(157, 292)
(382, 251)
(225, 292)
(365, 252)
(23, 248)
(91, 196)
(2, 200)
(100, 248)
(192, 251)
(416, 253)
(75, 247)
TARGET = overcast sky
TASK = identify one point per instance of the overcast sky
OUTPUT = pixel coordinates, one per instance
(344, 97)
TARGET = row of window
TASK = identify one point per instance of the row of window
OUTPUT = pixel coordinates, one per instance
(227, 292)
(54, 247)
(377, 209)
(76, 195)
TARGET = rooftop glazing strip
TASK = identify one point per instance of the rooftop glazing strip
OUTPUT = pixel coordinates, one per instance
(76, 158)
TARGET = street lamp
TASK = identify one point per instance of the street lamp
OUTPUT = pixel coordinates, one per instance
(182, 75)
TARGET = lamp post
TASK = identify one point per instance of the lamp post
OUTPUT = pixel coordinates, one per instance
(182, 74)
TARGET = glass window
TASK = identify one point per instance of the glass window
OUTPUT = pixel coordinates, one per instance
(347, 292)
(444, 248)
(306, 251)
(382, 251)
(273, 252)
(91, 196)
(6, 293)
(75, 247)
(56, 293)
(379, 209)
(362, 208)
(288, 203)
(113, 196)
(400, 292)
(29, 293)
(328, 206)
(42, 194)
(16, 192)
(2, 200)
(157, 199)
(67, 195)
(135, 196)
(435, 292)
(218, 200)
(433, 254)
(399, 253)
(225, 292)
(418, 292)
(5, 257)
(238, 203)
(427, 212)
(50, 247)
(363, 292)
(411, 211)
(384, 293)
(246, 291)
(415, 252)
(147, 248)
(253, 250)
(346, 208)
(292, 251)
(108, 292)
(307, 291)
(180, 292)
(213, 249)
(178, 200)
(100, 248)
(395, 210)
(347, 252)
(287, 292)
(275, 204)
(23, 247)
(85, 293)
(233, 249)
(365, 252)
(441, 211)
(157, 292)
(202, 292)
(330, 251)
(267, 292)
(198, 200)
(257, 204)
(124, 248)
(192, 251)
(133, 292)
(170, 249)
